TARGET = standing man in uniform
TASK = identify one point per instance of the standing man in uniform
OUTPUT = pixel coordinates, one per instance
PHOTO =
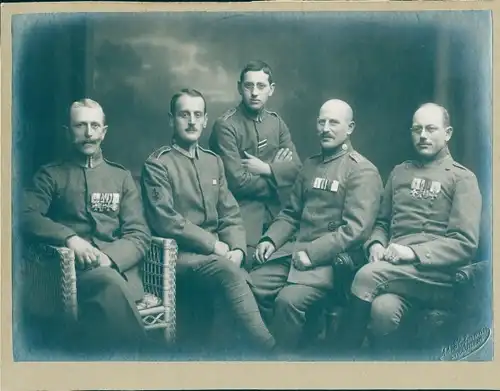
(332, 210)
(428, 226)
(92, 206)
(259, 157)
(187, 199)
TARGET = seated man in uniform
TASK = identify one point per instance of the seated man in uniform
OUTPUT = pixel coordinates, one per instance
(93, 207)
(259, 157)
(428, 226)
(331, 210)
(187, 199)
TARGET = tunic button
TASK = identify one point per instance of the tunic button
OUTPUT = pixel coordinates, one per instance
(428, 255)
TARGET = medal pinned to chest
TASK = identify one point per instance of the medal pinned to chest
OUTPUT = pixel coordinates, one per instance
(425, 189)
(104, 202)
(325, 184)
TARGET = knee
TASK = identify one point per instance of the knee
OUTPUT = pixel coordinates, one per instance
(287, 300)
(105, 279)
(367, 280)
(386, 313)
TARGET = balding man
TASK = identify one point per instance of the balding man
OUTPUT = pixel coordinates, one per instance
(92, 206)
(331, 210)
(428, 226)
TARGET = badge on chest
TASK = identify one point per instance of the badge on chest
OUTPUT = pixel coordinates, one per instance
(325, 184)
(424, 188)
(104, 202)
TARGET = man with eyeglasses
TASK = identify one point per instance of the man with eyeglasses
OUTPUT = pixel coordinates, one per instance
(259, 157)
(331, 210)
(187, 199)
(92, 206)
(428, 226)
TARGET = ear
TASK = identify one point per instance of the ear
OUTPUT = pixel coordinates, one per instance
(104, 131)
(205, 120)
(66, 132)
(240, 88)
(271, 89)
(171, 119)
(449, 133)
(351, 127)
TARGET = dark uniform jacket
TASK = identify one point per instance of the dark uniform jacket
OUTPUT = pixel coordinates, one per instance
(96, 200)
(187, 199)
(260, 198)
(435, 209)
(332, 209)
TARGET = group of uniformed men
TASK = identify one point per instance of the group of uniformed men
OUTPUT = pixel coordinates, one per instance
(256, 226)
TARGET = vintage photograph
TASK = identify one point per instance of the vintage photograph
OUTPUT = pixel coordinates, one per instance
(252, 186)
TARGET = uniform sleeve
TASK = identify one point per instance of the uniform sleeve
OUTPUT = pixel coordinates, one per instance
(459, 244)
(230, 228)
(242, 183)
(382, 224)
(362, 201)
(36, 204)
(163, 219)
(286, 224)
(285, 172)
(135, 238)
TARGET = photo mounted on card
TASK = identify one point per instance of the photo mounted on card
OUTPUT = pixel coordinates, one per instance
(275, 188)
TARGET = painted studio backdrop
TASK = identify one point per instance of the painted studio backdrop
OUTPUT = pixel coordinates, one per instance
(384, 64)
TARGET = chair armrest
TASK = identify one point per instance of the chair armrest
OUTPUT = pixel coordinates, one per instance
(474, 273)
(50, 281)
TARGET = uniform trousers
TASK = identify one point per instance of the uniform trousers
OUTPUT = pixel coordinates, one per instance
(394, 290)
(283, 305)
(229, 284)
(108, 315)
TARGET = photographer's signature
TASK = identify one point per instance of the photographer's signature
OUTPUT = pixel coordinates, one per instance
(466, 345)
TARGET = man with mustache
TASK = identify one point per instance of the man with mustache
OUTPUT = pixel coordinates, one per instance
(187, 199)
(331, 210)
(428, 226)
(259, 156)
(92, 206)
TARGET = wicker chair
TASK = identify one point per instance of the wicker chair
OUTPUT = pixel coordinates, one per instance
(49, 279)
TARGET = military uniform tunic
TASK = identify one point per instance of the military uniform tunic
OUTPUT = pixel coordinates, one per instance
(98, 201)
(187, 199)
(260, 198)
(331, 210)
(434, 209)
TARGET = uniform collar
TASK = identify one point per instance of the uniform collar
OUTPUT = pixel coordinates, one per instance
(339, 151)
(251, 115)
(191, 155)
(86, 161)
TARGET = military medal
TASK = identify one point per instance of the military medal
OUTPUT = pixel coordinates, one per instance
(435, 189)
(262, 144)
(104, 202)
(326, 184)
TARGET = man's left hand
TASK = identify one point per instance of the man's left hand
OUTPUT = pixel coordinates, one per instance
(255, 166)
(301, 261)
(397, 254)
(104, 260)
(235, 256)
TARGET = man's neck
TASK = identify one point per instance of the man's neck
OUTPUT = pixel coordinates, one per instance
(332, 152)
(187, 148)
(253, 114)
(438, 157)
(88, 161)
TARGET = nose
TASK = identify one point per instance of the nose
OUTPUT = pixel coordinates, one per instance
(88, 131)
(191, 119)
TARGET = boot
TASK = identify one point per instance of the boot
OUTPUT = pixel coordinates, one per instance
(352, 327)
